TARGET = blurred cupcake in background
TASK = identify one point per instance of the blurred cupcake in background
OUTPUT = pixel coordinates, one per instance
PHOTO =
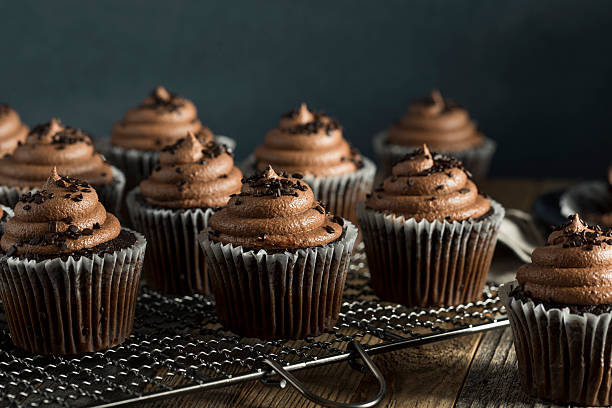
(429, 233)
(310, 145)
(560, 309)
(71, 150)
(70, 274)
(277, 260)
(12, 130)
(592, 200)
(171, 207)
(160, 120)
(445, 127)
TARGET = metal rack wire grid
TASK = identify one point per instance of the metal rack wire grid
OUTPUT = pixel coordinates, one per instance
(178, 346)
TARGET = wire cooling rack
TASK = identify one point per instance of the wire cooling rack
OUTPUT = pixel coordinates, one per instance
(178, 346)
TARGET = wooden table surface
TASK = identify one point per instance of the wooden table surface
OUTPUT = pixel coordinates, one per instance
(472, 371)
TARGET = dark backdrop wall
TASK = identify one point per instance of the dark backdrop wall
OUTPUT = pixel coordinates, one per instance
(535, 74)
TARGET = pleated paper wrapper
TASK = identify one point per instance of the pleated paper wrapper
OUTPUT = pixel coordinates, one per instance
(73, 306)
(175, 263)
(477, 159)
(339, 194)
(279, 295)
(109, 194)
(8, 213)
(428, 263)
(562, 356)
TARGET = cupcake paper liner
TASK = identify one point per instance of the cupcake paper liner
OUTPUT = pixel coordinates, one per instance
(9, 213)
(139, 164)
(428, 263)
(339, 194)
(73, 306)
(590, 200)
(109, 194)
(279, 295)
(174, 264)
(562, 356)
(477, 159)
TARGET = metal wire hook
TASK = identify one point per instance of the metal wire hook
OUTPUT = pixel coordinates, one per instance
(302, 389)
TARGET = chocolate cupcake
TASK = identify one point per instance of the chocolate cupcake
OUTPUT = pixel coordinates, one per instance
(429, 233)
(69, 277)
(277, 261)
(70, 150)
(311, 144)
(12, 130)
(172, 206)
(161, 119)
(560, 310)
(445, 127)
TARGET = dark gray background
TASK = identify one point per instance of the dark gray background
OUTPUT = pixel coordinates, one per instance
(534, 74)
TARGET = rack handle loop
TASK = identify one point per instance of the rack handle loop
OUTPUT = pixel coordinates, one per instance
(302, 389)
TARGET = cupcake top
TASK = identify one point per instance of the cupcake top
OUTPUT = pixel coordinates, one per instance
(429, 186)
(192, 173)
(12, 130)
(439, 122)
(160, 120)
(308, 143)
(53, 144)
(64, 217)
(274, 212)
(573, 267)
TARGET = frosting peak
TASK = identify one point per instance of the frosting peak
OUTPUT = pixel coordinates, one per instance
(573, 267)
(161, 119)
(12, 130)
(439, 122)
(54, 144)
(62, 218)
(192, 173)
(274, 211)
(308, 143)
(429, 186)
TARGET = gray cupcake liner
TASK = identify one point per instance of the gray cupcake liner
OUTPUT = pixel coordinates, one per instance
(428, 263)
(293, 294)
(477, 159)
(109, 194)
(339, 194)
(562, 356)
(139, 164)
(590, 200)
(174, 264)
(3, 219)
(72, 306)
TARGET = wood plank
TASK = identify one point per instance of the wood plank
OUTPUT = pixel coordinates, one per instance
(426, 376)
(493, 378)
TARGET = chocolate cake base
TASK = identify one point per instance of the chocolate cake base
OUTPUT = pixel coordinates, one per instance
(74, 305)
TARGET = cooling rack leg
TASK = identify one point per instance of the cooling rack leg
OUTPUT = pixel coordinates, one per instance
(359, 352)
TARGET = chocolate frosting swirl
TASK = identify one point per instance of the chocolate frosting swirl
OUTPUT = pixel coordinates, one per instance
(193, 173)
(308, 143)
(440, 123)
(160, 120)
(274, 212)
(12, 130)
(573, 268)
(64, 217)
(429, 186)
(53, 144)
